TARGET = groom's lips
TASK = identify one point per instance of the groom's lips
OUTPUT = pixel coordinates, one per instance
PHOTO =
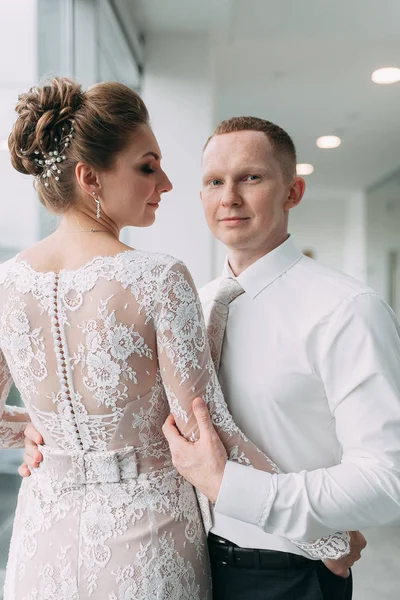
(234, 219)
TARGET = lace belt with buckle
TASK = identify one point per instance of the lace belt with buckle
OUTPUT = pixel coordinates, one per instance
(81, 468)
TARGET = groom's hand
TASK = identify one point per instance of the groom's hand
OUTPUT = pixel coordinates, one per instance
(32, 456)
(202, 463)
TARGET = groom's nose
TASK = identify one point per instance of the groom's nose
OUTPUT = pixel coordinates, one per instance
(230, 196)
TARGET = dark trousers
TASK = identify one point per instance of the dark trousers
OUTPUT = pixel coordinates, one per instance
(309, 581)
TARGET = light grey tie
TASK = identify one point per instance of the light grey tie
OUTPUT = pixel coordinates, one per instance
(229, 289)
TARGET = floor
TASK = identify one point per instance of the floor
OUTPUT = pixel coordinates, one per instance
(376, 576)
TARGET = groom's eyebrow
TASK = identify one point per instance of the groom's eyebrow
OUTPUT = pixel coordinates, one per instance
(152, 154)
(207, 175)
(240, 172)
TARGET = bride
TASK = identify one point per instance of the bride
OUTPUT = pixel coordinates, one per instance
(103, 341)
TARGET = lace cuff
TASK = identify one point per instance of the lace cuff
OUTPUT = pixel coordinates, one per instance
(12, 427)
(12, 434)
(332, 547)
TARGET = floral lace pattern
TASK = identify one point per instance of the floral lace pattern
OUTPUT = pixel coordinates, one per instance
(108, 345)
(101, 355)
(25, 345)
(13, 420)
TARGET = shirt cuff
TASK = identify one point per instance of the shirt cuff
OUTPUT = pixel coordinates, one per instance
(246, 494)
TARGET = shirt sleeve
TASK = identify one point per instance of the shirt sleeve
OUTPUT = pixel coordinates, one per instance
(13, 419)
(187, 372)
(358, 360)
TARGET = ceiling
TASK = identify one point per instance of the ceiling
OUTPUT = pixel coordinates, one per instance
(305, 65)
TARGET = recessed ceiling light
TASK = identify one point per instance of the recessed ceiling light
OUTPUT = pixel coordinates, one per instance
(386, 75)
(304, 169)
(3, 145)
(329, 141)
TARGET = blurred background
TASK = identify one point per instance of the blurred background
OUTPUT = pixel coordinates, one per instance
(317, 68)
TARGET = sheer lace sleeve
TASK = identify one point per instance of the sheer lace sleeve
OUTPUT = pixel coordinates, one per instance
(187, 371)
(13, 419)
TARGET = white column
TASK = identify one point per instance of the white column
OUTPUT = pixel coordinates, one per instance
(177, 89)
(355, 237)
(383, 227)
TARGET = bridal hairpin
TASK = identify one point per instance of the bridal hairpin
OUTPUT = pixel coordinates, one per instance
(51, 162)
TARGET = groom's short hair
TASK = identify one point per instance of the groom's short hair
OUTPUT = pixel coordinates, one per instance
(281, 142)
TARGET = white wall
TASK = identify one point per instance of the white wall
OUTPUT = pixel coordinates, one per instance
(177, 89)
(376, 575)
(319, 223)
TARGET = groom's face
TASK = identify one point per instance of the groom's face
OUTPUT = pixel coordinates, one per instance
(245, 194)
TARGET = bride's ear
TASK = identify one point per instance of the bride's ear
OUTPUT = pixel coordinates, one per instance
(87, 178)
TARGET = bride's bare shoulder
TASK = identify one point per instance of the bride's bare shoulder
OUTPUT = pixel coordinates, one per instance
(54, 254)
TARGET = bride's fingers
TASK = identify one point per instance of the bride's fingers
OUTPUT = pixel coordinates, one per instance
(32, 434)
(32, 453)
(23, 470)
(30, 462)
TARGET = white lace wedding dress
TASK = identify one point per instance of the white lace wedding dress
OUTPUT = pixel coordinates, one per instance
(101, 355)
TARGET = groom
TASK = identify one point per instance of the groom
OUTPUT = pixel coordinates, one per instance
(310, 371)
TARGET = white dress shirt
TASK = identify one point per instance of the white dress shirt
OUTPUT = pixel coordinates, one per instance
(310, 369)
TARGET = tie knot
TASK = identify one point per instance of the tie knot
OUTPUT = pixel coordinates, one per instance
(229, 289)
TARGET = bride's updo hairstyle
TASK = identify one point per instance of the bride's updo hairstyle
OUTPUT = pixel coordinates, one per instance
(59, 125)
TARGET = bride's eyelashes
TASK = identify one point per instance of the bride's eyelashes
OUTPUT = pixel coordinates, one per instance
(147, 169)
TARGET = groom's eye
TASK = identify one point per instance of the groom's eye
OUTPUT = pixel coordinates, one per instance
(215, 182)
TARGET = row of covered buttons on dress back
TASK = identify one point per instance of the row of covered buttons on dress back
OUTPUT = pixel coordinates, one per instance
(61, 351)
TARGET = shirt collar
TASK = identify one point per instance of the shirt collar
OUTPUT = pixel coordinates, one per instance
(267, 268)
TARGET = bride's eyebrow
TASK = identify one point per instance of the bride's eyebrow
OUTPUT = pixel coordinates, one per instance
(154, 154)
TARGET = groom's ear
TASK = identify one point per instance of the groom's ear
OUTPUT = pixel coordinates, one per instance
(296, 193)
(201, 195)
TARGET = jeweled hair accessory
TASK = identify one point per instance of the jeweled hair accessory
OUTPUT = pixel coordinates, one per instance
(51, 162)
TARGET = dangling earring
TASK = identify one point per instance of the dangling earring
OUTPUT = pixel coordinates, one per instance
(97, 200)
(98, 207)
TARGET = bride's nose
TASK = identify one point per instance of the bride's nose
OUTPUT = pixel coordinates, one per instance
(164, 184)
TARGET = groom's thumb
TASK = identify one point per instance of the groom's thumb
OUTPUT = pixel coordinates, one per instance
(202, 416)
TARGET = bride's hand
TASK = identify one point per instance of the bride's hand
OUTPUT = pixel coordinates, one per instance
(341, 566)
(32, 456)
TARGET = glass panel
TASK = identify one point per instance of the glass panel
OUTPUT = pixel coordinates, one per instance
(55, 37)
(116, 61)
